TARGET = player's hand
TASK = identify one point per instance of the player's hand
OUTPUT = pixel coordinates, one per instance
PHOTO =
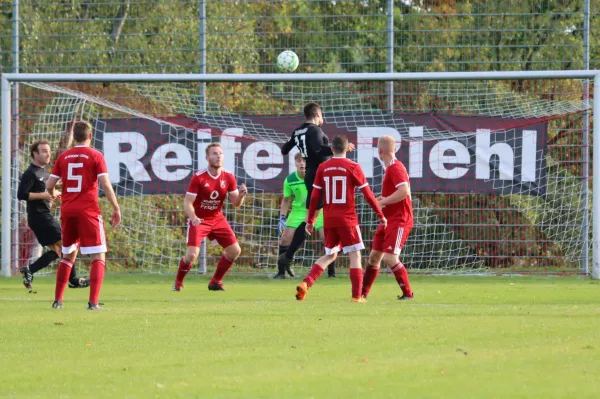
(243, 190)
(383, 222)
(351, 147)
(115, 219)
(196, 221)
(46, 196)
(380, 201)
(282, 225)
(309, 228)
(57, 195)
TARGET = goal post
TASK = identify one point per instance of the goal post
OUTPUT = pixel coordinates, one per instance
(449, 236)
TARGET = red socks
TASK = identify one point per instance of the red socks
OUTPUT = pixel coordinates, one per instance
(96, 278)
(356, 276)
(402, 278)
(222, 268)
(368, 280)
(313, 275)
(62, 278)
(183, 270)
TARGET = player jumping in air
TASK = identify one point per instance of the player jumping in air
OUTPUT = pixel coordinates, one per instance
(313, 144)
(202, 205)
(80, 169)
(32, 188)
(294, 195)
(396, 204)
(336, 181)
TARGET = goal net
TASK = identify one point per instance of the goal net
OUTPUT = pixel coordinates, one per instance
(498, 169)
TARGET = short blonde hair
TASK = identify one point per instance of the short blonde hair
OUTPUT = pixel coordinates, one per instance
(298, 156)
(212, 145)
(387, 143)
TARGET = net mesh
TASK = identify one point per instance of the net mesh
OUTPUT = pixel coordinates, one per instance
(498, 170)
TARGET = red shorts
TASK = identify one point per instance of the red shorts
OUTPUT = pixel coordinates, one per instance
(347, 238)
(85, 231)
(391, 239)
(217, 230)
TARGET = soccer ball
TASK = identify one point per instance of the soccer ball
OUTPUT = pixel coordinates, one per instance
(287, 61)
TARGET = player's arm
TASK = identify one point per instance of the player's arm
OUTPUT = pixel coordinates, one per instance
(287, 147)
(361, 182)
(402, 191)
(24, 191)
(237, 196)
(315, 141)
(51, 185)
(106, 186)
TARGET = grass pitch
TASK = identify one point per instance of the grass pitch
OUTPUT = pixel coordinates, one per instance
(463, 337)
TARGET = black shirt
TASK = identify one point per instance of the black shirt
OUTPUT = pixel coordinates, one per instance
(312, 143)
(34, 181)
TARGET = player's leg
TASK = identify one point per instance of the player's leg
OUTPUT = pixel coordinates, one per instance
(371, 272)
(93, 242)
(286, 239)
(374, 262)
(315, 272)
(332, 247)
(224, 235)
(193, 239)
(331, 267)
(185, 265)
(352, 244)
(74, 281)
(48, 234)
(69, 250)
(398, 235)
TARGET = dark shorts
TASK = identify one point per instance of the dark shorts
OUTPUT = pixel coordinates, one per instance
(45, 227)
(309, 179)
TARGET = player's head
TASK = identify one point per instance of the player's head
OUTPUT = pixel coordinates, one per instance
(214, 155)
(386, 146)
(339, 145)
(82, 132)
(40, 152)
(313, 113)
(300, 162)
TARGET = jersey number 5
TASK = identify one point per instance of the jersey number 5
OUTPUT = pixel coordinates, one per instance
(331, 189)
(301, 144)
(76, 178)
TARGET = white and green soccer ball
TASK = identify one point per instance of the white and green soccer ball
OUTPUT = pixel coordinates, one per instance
(287, 61)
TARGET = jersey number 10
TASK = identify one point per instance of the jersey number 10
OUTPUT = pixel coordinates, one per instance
(332, 196)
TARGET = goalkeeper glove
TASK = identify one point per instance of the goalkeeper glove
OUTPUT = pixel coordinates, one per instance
(281, 226)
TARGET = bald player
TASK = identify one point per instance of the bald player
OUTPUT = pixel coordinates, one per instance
(396, 204)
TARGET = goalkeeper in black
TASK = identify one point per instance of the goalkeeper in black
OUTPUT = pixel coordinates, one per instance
(32, 188)
(314, 147)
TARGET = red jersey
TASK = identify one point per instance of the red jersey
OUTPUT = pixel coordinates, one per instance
(79, 169)
(338, 178)
(210, 192)
(400, 213)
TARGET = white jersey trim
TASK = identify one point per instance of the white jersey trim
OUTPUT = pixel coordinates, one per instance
(100, 249)
(69, 249)
(317, 187)
(192, 194)
(102, 174)
(51, 175)
(363, 186)
(401, 184)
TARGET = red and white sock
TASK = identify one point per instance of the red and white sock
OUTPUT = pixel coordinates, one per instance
(356, 276)
(371, 274)
(62, 278)
(222, 268)
(96, 278)
(182, 271)
(401, 275)
(313, 275)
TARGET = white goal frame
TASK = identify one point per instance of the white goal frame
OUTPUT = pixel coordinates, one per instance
(8, 79)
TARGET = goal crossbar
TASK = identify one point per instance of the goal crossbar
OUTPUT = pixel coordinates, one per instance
(8, 79)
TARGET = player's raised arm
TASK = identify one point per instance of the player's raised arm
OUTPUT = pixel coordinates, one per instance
(237, 196)
(287, 147)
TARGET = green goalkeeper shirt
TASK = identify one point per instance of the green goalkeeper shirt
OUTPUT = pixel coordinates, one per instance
(294, 187)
